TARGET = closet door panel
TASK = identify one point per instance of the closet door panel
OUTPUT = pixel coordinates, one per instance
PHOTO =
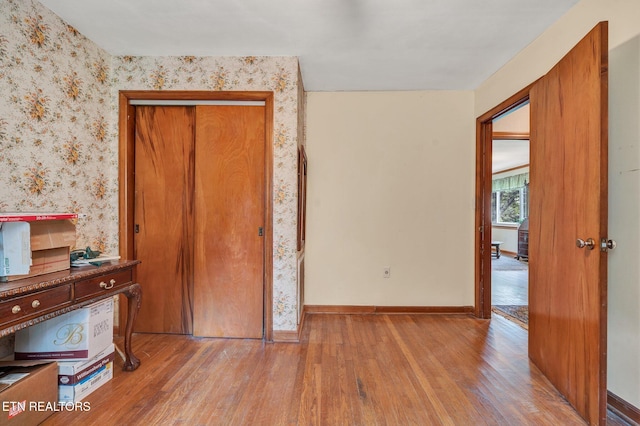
(229, 213)
(164, 150)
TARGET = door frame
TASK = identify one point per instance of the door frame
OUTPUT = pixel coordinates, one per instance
(126, 177)
(482, 252)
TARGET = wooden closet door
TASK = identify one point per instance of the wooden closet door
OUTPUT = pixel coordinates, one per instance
(229, 212)
(164, 149)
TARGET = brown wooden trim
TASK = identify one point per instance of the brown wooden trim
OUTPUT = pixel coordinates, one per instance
(126, 145)
(623, 409)
(604, 209)
(524, 136)
(510, 170)
(302, 196)
(505, 226)
(196, 95)
(424, 309)
(482, 257)
(483, 220)
(126, 194)
(338, 309)
(511, 103)
(126, 124)
(370, 309)
(507, 253)
(268, 226)
(285, 336)
(303, 319)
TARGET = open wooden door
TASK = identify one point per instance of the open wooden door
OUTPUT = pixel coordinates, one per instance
(568, 209)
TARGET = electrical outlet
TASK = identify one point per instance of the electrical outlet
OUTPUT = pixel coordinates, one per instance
(386, 272)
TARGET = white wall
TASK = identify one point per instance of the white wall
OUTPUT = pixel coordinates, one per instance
(624, 178)
(390, 183)
(508, 236)
(624, 221)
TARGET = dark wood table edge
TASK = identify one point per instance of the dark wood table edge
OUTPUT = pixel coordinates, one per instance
(133, 293)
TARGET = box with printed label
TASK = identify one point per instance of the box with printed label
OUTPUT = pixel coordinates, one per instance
(77, 335)
(77, 379)
(15, 249)
(30, 248)
(50, 244)
(28, 392)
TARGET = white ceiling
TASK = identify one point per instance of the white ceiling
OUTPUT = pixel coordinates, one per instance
(342, 45)
(511, 153)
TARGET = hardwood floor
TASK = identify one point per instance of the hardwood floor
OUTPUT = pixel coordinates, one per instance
(347, 370)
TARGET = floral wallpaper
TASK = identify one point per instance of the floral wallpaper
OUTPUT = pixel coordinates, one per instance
(54, 112)
(59, 129)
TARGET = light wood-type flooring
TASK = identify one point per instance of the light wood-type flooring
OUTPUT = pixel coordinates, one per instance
(347, 370)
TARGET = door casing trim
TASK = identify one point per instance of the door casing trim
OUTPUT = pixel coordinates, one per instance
(482, 237)
(126, 162)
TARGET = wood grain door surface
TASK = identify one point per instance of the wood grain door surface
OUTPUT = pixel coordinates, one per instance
(199, 206)
(230, 211)
(164, 148)
(568, 288)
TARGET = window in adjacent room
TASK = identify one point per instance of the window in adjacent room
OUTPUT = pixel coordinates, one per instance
(509, 200)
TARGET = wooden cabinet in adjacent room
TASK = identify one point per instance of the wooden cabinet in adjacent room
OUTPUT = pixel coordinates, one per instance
(199, 219)
(523, 240)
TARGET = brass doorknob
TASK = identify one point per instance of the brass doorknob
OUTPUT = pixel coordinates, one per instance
(589, 243)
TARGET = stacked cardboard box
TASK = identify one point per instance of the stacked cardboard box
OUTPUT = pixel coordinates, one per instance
(77, 379)
(82, 343)
(50, 240)
(77, 335)
(51, 243)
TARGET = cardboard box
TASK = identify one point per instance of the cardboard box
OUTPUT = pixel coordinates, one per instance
(15, 248)
(76, 393)
(50, 244)
(50, 260)
(48, 234)
(46, 261)
(77, 335)
(77, 379)
(73, 372)
(28, 392)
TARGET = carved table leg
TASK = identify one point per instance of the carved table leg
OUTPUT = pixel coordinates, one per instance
(134, 298)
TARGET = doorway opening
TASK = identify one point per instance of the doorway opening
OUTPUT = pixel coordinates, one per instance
(510, 215)
(500, 213)
(568, 215)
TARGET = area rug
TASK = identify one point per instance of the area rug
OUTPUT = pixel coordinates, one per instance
(507, 263)
(516, 313)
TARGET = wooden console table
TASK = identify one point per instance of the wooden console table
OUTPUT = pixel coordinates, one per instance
(29, 301)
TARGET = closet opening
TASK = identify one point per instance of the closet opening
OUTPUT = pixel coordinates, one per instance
(214, 109)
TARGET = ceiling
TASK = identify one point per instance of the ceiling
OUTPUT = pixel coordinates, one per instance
(342, 45)
(508, 154)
